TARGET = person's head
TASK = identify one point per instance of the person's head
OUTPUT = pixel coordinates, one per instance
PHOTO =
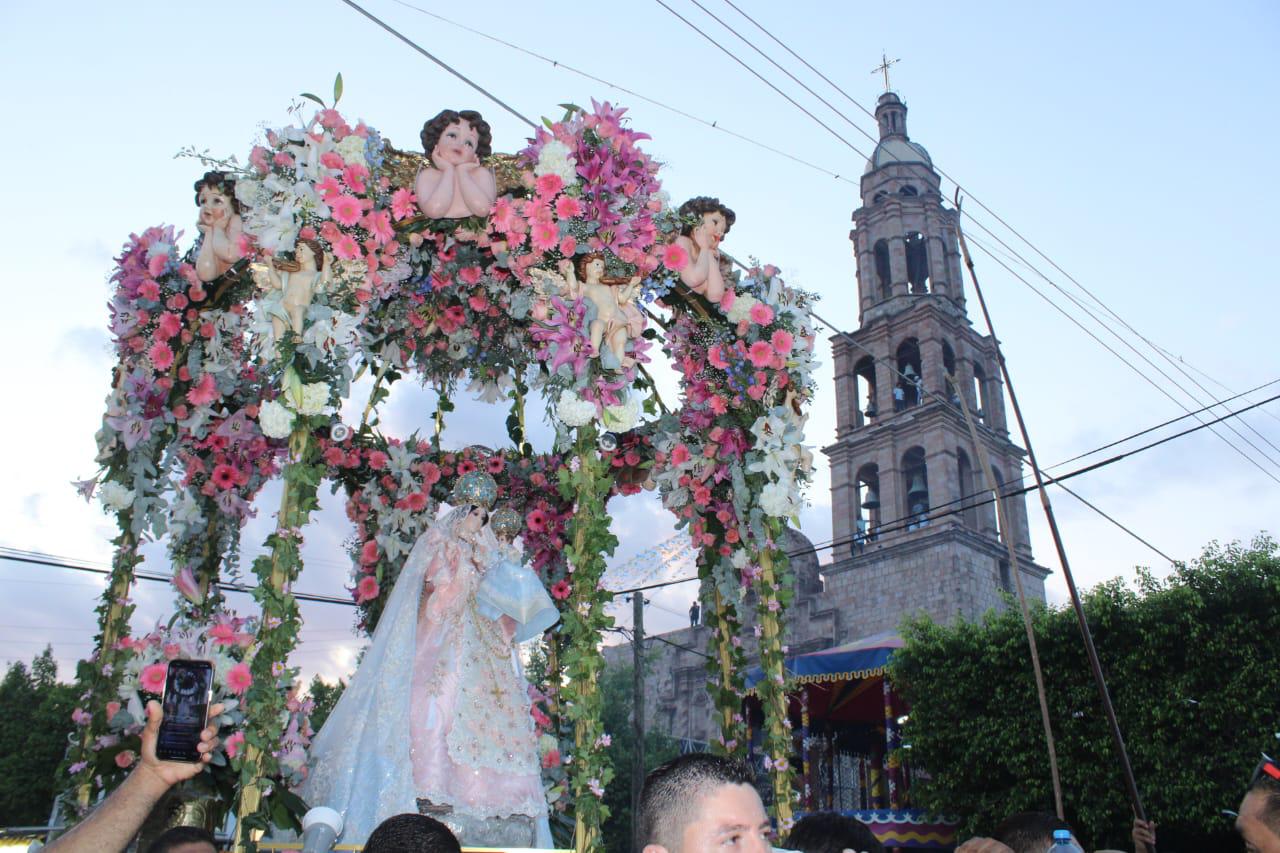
(828, 832)
(701, 802)
(309, 253)
(1030, 832)
(460, 134)
(411, 833)
(216, 191)
(1259, 819)
(184, 839)
(709, 211)
(591, 265)
(476, 518)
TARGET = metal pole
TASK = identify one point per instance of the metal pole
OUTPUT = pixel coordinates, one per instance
(1126, 768)
(637, 718)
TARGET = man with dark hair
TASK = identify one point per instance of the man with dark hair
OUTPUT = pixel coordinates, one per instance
(1259, 819)
(411, 833)
(702, 802)
(184, 839)
(828, 832)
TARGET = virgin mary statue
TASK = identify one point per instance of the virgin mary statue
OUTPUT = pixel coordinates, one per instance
(436, 719)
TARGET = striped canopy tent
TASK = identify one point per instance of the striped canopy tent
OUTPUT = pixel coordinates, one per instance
(842, 683)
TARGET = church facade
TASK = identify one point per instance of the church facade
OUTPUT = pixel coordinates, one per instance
(914, 528)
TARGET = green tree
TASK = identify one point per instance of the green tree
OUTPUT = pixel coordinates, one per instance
(1191, 662)
(617, 689)
(325, 696)
(35, 719)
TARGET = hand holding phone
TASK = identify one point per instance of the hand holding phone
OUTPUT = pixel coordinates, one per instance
(188, 689)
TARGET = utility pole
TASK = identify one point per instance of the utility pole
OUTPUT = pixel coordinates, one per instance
(637, 719)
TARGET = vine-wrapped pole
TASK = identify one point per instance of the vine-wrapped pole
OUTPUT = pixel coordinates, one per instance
(587, 480)
(772, 688)
(264, 706)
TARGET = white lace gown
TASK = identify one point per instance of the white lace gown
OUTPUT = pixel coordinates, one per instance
(436, 711)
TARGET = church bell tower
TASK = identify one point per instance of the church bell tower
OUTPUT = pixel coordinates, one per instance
(914, 531)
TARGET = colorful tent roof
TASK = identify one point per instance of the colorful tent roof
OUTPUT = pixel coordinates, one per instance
(864, 658)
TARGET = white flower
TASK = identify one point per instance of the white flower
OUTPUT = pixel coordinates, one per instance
(556, 159)
(574, 411)
(741, 308)
(352, 150)
(314, 398)
(276, 421)
(115, 496)
(777, 500)
(623, 417)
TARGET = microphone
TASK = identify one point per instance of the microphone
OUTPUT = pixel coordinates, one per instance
(320, 829)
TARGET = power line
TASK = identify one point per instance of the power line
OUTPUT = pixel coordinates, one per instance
(851, 123)
(446, 66)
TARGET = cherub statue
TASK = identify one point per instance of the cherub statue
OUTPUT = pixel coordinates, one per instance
(303, 278)
(612, 326)
(702, 241)
(219, 224)
(455, 185)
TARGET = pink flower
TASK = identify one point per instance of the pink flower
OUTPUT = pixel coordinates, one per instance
(369, 553)
(568, 246)
(378, 224)
(185, 581)
(430, 472)
(549, 185)
(502, 216)
(378, 460)
(346, 209)
(223, 635)
(366, 589)
(674, 257)
(551, 759)
(149, 290)
(567, 207)
(203, 392)
(125, 758)
(536, 521)
(170, 324)
(761, 314)
(239, 679)
(715, 355)
(782, 341)
(679, 455)
(153, 677)
(332, 160)
(761, 353)
(329, 189)
(416, 501)
(544, 236)
(403, 204)
(113, 708)
(234, 744)
(470, 275)
(560, 590)
(161, 355)
(224, 477)
(347, 248)
(258, 157)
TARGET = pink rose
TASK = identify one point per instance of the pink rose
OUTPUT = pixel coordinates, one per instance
(125, 758)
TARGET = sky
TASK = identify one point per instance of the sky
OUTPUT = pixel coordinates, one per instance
(1133, 144)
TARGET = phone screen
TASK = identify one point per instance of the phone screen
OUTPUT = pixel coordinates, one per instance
(187, 689)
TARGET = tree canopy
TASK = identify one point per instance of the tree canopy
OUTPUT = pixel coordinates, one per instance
(35, 719)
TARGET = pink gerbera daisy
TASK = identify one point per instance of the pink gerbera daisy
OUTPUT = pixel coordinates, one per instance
(346, 209)
(161, 355)
(544, 236)
(782, 341)
(674, 257)
(366, 589)
(402, 203)
(561, 590)
(761, 353)
(346, 247)
(567, 207)
(761, 314)
(239, 679)
(224, 476)
(234, 744)
(536, 521)
(153, 677)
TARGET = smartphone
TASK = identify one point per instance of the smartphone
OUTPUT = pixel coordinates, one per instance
(188, 689)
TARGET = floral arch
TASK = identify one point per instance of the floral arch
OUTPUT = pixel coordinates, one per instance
(234, 356)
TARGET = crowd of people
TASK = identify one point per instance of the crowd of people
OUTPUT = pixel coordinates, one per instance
(692, 804)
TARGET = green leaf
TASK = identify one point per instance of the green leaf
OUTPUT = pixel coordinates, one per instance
(337, 88)
(316, 98)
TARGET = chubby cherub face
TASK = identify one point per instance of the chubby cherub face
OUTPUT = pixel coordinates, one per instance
(715, 225)
(457, 144)
(215, 207)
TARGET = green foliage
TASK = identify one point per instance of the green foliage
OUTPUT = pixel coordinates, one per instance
(616, 688)
(1191, 664)
(325, 697)
(35, 718)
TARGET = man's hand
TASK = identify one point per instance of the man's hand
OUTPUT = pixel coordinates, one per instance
(1144, 836)
(170, 773)
(983, 845)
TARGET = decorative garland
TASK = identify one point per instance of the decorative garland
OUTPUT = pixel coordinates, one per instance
(540, 294)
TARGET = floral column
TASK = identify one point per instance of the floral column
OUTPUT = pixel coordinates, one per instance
(773, 593)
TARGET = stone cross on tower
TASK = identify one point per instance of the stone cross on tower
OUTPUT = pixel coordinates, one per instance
(883, 67)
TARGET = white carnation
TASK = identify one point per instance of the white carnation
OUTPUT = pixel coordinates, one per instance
(115, 496)
(741, 308)
(276, 421)
(315, 397)
(777, 500)
(574, 411)
(352, 150)
(623, 417)
(556, 159)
